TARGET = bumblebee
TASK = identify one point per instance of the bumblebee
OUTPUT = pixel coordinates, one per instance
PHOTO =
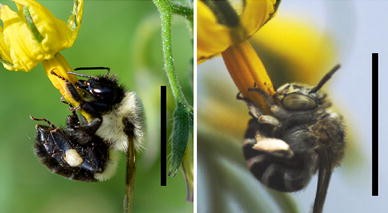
(300, 137)
(86, 150)
(117, 113)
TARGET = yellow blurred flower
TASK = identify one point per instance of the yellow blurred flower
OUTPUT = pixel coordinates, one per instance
(32, 35)
(224, 27)
(302, 51)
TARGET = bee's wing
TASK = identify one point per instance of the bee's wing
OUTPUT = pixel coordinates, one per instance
(324, 174)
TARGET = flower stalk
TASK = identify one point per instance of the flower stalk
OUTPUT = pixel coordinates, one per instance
(58, 66)
(165, 11)
(248, 71)
(183, 113)
(183, 11)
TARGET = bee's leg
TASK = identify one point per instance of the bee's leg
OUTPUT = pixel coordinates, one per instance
(71, 107)
(276, 110)
(240, 96)
(43, 119)
(92, 126)
(265, 95)
(74, 93)
(70, 87)
(63, 100)
(261, 118)
(73, 120)
(254, 111)
(269, 119)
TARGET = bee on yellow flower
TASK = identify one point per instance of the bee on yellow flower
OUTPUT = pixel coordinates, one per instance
(272, 137)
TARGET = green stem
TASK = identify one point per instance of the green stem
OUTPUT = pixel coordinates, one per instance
(165, 10)
(183, 11)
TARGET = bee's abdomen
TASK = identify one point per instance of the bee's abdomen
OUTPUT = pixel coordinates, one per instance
(275, 172)
(57, 165)
(63, 155)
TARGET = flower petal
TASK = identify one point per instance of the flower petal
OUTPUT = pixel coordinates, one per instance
(75, 19)
(4, 51)
(33, 34)
(208, 29)
(57, 35)
(256, 13)
(247, 71)
(19, 41)
(221, 23)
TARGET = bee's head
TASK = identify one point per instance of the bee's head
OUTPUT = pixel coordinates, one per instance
(299, 97)
(104, 89)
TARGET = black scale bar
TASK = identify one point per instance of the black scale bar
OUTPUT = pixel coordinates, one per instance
(375, 124)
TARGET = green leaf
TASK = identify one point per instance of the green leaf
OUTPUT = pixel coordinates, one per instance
(182, 126)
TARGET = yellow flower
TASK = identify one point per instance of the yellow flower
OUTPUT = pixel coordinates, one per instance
(224, 28)
(221, 24)
(32, 35)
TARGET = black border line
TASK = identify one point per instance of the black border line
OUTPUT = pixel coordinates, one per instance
(163, 136)
(375, 124)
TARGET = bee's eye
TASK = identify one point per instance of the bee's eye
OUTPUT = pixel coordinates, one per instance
(98, 89)
(298, 102)
(101, 90)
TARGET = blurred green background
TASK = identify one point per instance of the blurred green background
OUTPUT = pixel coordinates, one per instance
(125, 36)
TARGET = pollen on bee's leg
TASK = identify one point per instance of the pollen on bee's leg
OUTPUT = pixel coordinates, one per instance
(273, 146)
(73, 158)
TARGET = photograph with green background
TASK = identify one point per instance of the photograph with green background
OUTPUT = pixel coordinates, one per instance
(125, 36)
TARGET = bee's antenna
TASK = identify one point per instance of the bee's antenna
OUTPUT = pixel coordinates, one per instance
(81, 75)
(88, 68)
(325, 78)
(93, 68)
